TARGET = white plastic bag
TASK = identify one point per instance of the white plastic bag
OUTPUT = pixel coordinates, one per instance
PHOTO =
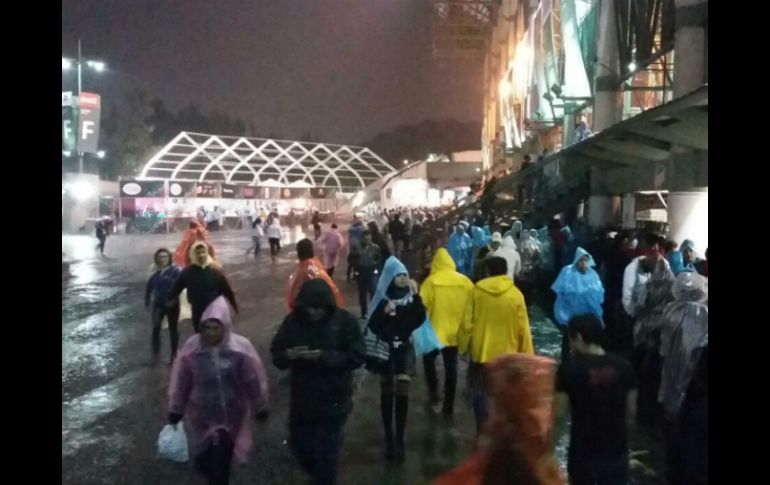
(172, 443)
(185, 309)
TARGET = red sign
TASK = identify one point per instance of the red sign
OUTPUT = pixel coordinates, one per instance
(89, 100)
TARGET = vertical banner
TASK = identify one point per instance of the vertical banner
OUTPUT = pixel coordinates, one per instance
(88, 133)
(68, 122)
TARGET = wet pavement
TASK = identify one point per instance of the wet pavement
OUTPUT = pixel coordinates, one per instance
(114, 399)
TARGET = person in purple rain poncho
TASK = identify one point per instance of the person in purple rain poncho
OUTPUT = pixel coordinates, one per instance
(218, 384)
(332, 243)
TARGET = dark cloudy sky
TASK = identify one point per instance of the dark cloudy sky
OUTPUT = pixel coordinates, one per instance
(343, 70)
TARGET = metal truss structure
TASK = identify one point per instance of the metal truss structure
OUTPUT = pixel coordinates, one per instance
(461, 28)
(198, 157)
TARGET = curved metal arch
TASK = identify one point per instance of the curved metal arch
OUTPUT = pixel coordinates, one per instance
(243, 162)
(228, 150)
(199, 148)
(329, 172)
(297, 163)
(333, 171)
(163, 151)
(312, 159)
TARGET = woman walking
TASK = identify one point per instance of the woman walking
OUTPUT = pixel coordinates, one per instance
(398, 311)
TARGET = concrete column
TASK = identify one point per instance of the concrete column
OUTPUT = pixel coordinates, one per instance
(690, 45)
(603, 210)
(608, 107)
(688, 217)
(629, 211)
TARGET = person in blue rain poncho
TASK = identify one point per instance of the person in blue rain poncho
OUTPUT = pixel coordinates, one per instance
(460, 247)
(689, 257)
(397, 312)
(676, 261)
(578, 291)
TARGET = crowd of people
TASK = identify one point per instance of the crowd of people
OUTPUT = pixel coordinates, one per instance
(632, 310)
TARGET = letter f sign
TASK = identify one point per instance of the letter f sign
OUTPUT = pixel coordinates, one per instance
(87, 129)
(67, 128)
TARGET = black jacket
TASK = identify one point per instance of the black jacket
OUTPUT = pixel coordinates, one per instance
(203, 285)
(367, 258)
(322, 388)
(397, 331)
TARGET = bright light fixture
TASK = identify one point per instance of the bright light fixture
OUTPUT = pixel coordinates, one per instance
(97, 66)
(81, 190)
(66, 64)
(100, 154)
(632, 66)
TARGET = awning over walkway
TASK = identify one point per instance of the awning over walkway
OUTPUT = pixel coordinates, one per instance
(649, 136)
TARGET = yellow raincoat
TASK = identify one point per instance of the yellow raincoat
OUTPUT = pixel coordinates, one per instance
(447, 295)
(499, 323)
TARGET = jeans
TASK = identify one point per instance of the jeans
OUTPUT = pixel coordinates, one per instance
(254, 246)
(317, 444)
(586, 471)
(478, 388)
(102, 242)
(275, 246)
(172, 314)
(449, 355)
(367, 283)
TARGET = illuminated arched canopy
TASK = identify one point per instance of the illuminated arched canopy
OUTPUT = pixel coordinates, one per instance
(197, 157)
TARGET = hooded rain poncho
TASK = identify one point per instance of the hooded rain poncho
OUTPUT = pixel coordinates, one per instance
(684, 335)
(460, 247)
(309, 269)
(218, 387)
(578, 293)
(447, 296)
(508, 252)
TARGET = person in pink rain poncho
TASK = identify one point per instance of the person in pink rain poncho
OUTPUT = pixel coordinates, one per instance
(218, 384)
(332, 243)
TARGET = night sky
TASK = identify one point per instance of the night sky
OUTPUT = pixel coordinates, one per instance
(343, 70)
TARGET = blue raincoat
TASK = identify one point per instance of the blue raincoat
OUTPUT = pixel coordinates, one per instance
(686, 267)
(676, 261)
(460, 247)
(578, 293)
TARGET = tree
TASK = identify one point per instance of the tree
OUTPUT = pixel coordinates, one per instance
(128, 136)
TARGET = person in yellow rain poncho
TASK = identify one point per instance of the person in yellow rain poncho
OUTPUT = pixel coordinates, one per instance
(447, 296)
(498, 326)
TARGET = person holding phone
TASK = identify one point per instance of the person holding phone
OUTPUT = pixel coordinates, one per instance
(321, 345)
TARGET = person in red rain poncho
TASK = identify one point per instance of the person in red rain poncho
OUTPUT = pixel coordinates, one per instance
(520, 428)
(196, 232)
(309, 268)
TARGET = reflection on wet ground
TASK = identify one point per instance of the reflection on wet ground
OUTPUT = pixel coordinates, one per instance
(114, 400)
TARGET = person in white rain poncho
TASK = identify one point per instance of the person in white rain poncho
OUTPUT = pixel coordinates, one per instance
(510, 255)
(684, 342)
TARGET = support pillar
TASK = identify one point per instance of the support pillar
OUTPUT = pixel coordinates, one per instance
(603, 210)
(608, 106)
(690, 46)
(688, 217)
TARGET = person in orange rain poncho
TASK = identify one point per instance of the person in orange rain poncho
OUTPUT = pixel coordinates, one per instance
(196, 232)
(309, 268)
(520, 448)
